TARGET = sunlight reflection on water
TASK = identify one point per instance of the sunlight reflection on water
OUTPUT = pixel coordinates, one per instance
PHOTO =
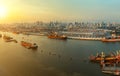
(52, 58)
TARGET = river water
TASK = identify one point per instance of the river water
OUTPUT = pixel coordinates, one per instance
(52, 58)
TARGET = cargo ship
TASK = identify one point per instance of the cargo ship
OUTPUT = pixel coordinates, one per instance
(57, 36)
(111, 39)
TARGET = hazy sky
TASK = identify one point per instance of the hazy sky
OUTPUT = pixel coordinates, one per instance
(61, 10)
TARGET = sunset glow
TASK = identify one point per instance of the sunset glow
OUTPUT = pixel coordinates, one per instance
(3, 11)
(59, 10)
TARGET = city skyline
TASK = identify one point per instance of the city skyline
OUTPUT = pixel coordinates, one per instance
(59, 10)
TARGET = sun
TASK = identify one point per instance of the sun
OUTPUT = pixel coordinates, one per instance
(3, 11)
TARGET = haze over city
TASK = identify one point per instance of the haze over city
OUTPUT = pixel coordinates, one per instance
(59, 10)
(59, 38)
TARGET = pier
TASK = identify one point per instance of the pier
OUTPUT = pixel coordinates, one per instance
(85, 38)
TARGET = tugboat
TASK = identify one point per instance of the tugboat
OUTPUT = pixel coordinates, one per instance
(29, 45)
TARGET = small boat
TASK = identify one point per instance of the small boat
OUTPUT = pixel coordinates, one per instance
(29, 45)
(0, 35)
(9, 39)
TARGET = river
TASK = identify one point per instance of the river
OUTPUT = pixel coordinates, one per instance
(52, 58)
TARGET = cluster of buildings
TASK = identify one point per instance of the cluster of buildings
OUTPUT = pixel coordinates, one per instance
(82, 29)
